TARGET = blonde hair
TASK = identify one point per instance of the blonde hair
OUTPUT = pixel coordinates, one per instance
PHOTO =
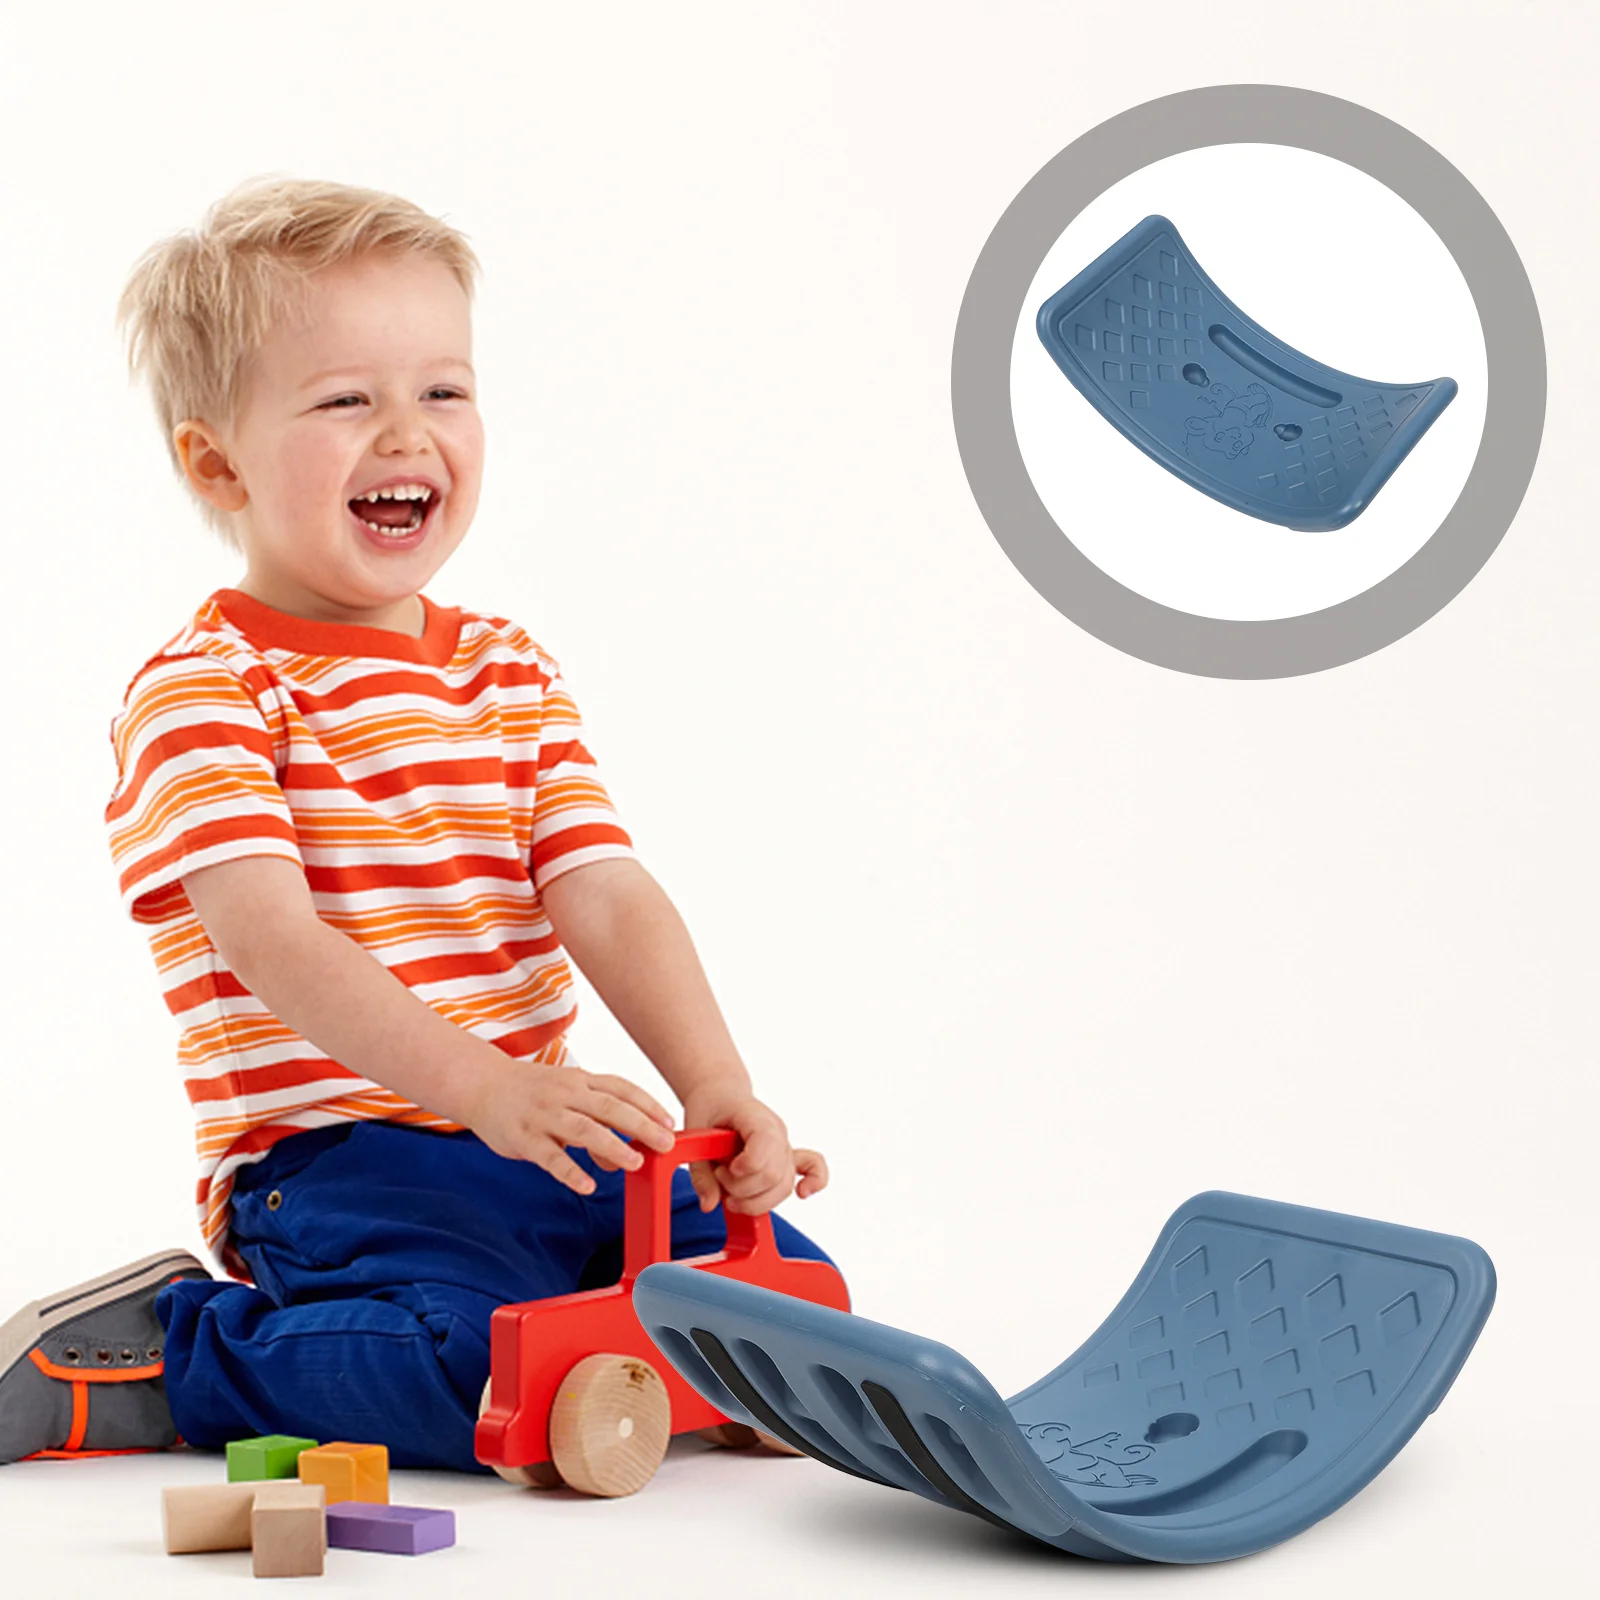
(199, 304)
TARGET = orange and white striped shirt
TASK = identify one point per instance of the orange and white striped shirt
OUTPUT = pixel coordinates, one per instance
(429, 788)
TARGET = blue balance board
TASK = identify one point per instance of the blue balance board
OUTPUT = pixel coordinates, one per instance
(1175, 366)
(1268, 1362)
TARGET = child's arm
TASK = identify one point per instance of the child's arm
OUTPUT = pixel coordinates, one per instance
(259, 913)
(626, 936)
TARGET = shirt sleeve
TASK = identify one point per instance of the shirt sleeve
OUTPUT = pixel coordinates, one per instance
(574, 822)
(196, 782)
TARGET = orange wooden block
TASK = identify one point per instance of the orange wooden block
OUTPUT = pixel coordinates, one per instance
(348, 1471)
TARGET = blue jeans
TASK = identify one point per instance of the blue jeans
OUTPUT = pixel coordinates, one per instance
(379, 1254)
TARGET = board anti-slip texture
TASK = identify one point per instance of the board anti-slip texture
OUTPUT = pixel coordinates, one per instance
(1178, 369)
(1267, 1362)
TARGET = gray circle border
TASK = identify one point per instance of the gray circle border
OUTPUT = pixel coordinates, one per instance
(980, 381)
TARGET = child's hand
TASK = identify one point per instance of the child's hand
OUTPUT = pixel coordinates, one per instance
(531, 1112)
(764, 1171)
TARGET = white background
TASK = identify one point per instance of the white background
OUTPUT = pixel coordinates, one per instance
(1034, 939)
(1335, 265)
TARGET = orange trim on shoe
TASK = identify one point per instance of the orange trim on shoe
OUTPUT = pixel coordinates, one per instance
(84, 1455)
(80, 1380)
(77, 1375)
(80, 1417)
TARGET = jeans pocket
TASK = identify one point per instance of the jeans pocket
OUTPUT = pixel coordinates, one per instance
(274, 1201)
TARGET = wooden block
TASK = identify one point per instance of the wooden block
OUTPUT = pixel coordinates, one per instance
(272, 1456)
(216, 1516)
(348, 1471)
(291, 1492)
(288, 1531)
(207, 1516)
(395, 1530)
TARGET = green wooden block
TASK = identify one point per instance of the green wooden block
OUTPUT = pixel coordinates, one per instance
(275, 1456)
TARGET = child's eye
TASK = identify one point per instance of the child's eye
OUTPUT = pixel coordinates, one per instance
(441, 390)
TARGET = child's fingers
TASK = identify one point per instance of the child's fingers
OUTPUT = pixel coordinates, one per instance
(634, 1095)
(765, 1152)
(580, 1129)
(565, 1170)
(764, 1199)
(613, 1111)
(736, 1185)
(758, 1191)
(705, 1185)
(812, 1171)
(755, 1180)
(752, 1198)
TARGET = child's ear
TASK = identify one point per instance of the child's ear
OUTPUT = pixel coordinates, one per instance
(206, 465)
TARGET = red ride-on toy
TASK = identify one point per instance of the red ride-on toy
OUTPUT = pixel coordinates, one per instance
(578, 1393)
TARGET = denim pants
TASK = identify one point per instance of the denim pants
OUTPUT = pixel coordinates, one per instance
(379, 1254)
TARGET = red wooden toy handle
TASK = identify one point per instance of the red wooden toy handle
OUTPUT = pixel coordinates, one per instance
(647, 1203)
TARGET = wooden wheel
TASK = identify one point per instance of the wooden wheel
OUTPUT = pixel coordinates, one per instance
(772, 1442)
(610, 1424)
(739, 1436)
(730, 1435)
(542, 1476)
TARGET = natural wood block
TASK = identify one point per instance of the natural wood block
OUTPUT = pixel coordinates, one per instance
(207, 1516)
(348, 1471)
(289, 1538)
(271, 1456)
(217, 1516)
(291, 1492)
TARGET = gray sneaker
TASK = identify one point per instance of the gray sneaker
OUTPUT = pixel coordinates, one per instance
(81, 1372)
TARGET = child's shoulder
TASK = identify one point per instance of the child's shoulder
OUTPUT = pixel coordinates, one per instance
(207, 648)
(489, 631)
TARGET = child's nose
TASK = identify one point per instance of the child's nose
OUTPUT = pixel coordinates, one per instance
(401, 426)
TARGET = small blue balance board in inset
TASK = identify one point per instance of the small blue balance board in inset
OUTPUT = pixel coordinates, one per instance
(1175, 366)
(1267, 1363)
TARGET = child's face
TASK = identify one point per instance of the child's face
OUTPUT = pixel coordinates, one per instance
(376, 387)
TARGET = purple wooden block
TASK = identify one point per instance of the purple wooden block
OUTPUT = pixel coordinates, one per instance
(395, 1530)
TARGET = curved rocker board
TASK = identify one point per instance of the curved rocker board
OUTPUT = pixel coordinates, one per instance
(1267, 1363)
(1175, 366)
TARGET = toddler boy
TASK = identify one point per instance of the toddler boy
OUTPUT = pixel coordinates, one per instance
(363, 833)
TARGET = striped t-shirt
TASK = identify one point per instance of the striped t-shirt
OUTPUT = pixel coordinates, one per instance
(429, 788)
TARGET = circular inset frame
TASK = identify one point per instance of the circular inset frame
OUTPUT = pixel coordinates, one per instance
(1277, 647)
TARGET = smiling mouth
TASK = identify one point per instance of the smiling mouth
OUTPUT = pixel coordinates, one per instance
(393, 519)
